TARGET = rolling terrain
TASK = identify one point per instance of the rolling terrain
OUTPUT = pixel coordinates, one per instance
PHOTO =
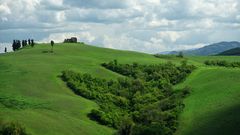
(212, 49)
(213, 106)
(231, 52)
(32, 93)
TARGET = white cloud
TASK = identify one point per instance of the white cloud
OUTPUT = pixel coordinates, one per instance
(191, 46)
(4, 9)
(55, 2)
(60, 16)
(169, 36)
(142, 25)
(127, 43)
(4, 19)
(59, 37)
(7, 45)
(238, 17)
(221, 8)
(109, 4)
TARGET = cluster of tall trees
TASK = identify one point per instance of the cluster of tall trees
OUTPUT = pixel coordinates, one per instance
(17, 44)
(141, 103)
(24, 43)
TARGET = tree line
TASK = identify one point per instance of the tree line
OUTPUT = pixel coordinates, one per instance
(222, 63)
(17, 44)
(141, 103)
(170, 56)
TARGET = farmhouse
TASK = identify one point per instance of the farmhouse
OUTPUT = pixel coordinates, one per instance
(70, 40)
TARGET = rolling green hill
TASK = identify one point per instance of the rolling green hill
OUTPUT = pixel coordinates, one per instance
(212, 49)
(231, 52)
(213, 107)
(32, 93)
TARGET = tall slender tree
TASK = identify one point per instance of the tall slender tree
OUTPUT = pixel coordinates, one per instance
(32, 43)
(29, 42)
(52, 43)
(23, 43)
(14, 45)
(18, 44)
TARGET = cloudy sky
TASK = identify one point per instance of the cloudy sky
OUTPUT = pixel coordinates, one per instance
(142, 25)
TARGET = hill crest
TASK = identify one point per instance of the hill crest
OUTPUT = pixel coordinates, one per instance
(212, 49)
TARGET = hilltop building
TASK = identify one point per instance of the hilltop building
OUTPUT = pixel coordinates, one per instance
(70, 40)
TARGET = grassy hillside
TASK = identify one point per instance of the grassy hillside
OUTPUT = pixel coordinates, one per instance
(32, 93)
(213, 107)
(231, 52)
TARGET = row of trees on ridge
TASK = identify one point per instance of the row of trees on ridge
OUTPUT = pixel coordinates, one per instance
(17, 44)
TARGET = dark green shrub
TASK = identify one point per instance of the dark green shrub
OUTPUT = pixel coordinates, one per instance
(180, 55)
(126, 126)
(222, 63)
(12, 129)
(186, 91)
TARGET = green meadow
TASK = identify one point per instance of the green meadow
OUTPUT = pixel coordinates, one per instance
(213, 106)
(33, 94)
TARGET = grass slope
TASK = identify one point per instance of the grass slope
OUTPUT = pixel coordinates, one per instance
(213, 107)
(32, 93)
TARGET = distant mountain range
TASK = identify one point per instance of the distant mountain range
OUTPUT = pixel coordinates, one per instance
(231, 52)
(212, 49)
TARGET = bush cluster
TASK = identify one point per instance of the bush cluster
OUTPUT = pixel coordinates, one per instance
(142, 103)
(12, 128)
(151, 73)
(222, 63)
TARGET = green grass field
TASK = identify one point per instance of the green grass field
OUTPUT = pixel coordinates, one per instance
(213, 106)
(32, 93)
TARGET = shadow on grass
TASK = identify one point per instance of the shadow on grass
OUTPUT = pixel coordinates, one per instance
(21, 103)
(47, 51)
(221, 123)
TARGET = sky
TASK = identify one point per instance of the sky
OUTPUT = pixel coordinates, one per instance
(149, 26)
